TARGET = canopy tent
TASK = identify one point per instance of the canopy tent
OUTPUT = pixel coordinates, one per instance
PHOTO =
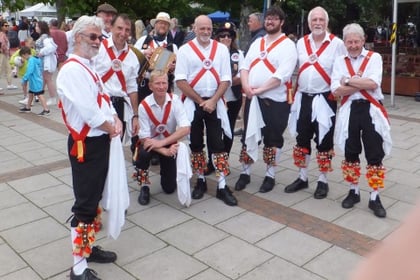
(39, 10)
(219, 16)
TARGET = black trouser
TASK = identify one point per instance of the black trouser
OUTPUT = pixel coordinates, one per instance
(89, 177)
(214, 131)
(118, 103)
(362, 129)
(306, 129)
(275, 116)
(167, 168)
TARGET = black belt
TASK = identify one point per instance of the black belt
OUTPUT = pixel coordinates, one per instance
(315, 94)
(361, 100)
(117, 99)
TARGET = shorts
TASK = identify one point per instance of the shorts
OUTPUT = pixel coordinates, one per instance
(36, 93)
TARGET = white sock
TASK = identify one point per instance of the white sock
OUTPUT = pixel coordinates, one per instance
(79, 263)
(201, 176)
(323, 177)
(373, 195)
(246, 169)
(270, 171)
(355, 188)
(303, 174)
(278, 153)
(221, 182)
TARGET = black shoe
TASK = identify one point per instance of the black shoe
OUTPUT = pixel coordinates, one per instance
(297, 185)
(100, 256)
(144, 196)
(88, 274)
(351, 199)
(244, 179)
(199, 189)
(267, 185)
(377, 207)
(321, 190)
(226, 196)
(155, 160)
(238, 132)
(210, 169)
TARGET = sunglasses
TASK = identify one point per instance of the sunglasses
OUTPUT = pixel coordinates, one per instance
(93, 36)
(225, 36)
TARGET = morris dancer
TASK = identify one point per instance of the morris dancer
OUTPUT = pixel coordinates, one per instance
(362, 118)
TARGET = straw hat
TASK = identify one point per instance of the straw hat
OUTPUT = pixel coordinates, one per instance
(162, 16)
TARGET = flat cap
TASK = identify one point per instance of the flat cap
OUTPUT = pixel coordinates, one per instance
(106, 8)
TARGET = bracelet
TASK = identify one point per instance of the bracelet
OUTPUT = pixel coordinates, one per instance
(134, 116)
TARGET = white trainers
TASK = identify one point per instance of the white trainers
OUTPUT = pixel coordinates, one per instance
(12, 87)
(24, 101)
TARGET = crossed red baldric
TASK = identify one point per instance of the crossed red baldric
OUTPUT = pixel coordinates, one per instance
(153, 118)
(111, 71)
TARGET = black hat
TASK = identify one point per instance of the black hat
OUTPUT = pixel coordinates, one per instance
(227, 27)
(106, 8)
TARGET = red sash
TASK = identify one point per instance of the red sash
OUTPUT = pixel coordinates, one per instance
(202, 58)
(79, 147)
(155, 120)
(362, 68)
(264, 59)
(111, 71)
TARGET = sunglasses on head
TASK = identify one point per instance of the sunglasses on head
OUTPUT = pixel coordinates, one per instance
(93, 36)
(226, 35)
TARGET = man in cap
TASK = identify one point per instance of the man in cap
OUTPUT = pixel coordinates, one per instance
(106, 12)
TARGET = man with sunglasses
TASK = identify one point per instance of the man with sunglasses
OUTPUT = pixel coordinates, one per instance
(266, 80)
(313, 111)
(118, 66)
(93, 124)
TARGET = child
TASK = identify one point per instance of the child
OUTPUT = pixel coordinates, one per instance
(33, 74)
(19, 67)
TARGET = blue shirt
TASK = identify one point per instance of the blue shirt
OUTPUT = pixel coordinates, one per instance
(33, 74)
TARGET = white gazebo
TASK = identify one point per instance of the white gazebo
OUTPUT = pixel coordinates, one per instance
(39, 10)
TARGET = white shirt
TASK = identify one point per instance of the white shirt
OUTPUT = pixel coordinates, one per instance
(78, 93)
(70, 42)
(153, 44)
(177, 116)
(310, 80)
(188, 65)
(283, 57)
(373, 71)
(130, 68)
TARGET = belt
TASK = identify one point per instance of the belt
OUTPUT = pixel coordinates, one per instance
(361, 100)
(315, 94)
(117, 99)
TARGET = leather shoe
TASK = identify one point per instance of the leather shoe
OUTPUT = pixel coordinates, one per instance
(267, 185)
(88, 274)
(155, 160)
(210, 169)
(351, 199)
(144, 196)
(297, 185)
(199, 189)
(100, 256)
(377, 207)
(244, 179)
(321, 190)
(226, 196)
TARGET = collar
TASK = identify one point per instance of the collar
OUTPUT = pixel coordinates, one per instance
(195, 41)
(88, 62)
(154, 103)
(363, 54)
(112, 45)
(326, 37)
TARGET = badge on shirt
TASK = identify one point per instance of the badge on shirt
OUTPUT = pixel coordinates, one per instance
(234, 57)
(313, 58)
(116, 65)
(263, 55)
(160, 128)
(207, 64)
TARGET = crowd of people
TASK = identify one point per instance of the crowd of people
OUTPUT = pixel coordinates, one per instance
(116, 85)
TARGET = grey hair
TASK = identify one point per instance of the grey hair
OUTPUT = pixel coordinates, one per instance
(258, 16)
(84, 22)
(318, 8)
(353, 28)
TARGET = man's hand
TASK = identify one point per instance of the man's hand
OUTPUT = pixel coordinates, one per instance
(209, 105)
(151, 144)
(148, 52)
(135, 125)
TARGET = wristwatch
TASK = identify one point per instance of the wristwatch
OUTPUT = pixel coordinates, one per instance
(346, 81)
